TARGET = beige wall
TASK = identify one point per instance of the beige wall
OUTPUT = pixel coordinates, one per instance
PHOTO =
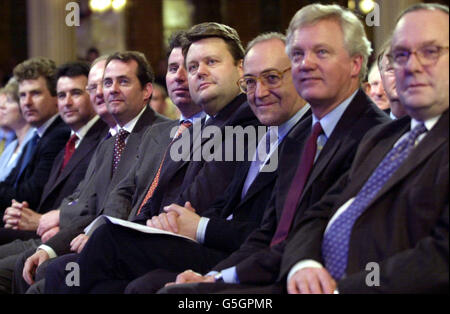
(389, 10)
(48, 34)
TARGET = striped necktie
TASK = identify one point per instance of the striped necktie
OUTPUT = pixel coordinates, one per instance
(183, 126)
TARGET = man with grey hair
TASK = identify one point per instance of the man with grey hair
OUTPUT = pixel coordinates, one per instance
(388, 229)
(328, 50)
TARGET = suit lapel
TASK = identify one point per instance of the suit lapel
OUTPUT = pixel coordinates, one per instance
(353, 112)
(261, 181)
(219, 121)
(53, 176)
(432, 141)
(88, 144)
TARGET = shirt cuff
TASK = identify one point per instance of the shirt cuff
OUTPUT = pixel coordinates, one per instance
(212, 273)
(303, 264)
(230, 275)
(51, 253)
(201, 230)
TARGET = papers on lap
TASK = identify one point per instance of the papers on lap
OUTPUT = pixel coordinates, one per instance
(100, 220)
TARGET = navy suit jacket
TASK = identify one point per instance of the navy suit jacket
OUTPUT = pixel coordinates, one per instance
(32, 180)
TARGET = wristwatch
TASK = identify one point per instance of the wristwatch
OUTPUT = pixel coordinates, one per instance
(218, 277)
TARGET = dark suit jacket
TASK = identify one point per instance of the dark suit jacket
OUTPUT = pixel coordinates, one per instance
(129, 193)
(59, 185)
(90, 202)
(405, 229)
(190, 180)
(62, 183)
(34, 177)
(227, 235)
(256, 262)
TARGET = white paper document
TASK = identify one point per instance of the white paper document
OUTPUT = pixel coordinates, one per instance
(100, 220)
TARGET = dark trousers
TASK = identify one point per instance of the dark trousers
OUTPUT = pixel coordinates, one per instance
(8, 235)
(114, 256)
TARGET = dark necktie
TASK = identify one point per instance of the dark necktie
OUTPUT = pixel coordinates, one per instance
(69, 150)
(28, 155)
(183, 126)
(297, 185)
(119, 146)
(336, 239)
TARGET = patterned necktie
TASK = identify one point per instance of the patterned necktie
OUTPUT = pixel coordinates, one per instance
(28, 152)
(69, 150)
(119, 146)
(336, 239)
(297, 185)
(183, 126)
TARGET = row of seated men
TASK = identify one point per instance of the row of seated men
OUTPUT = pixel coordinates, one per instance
(333, 187)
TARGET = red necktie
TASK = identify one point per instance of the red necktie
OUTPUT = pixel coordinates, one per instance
(183, 126)
(69, 150)
(297, 185)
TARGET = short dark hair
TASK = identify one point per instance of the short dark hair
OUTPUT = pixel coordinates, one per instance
(213, 29)
(144, 73)
(73, 69)
(177, 40)
(424, 6)
(34, 68)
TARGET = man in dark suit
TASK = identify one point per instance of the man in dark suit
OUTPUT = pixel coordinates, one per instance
(127, 89)
(37, 94)
(228, 222)
(329, 79)
(71, 163)
(69, 167)
(213, 86)
(399, 240)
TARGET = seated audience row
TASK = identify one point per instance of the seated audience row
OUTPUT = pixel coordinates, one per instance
(332, 187)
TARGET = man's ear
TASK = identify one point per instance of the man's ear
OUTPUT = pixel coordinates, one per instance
(148, 90)
(240, 66)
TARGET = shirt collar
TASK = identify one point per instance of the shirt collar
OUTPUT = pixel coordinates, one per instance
(330, 120)
(198, 115)
(429, 123)
(41, 130)
(81, 133)
(285, 127)
(131, 124)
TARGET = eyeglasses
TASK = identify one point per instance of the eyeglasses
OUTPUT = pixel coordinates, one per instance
(271, 79)
(427, 55)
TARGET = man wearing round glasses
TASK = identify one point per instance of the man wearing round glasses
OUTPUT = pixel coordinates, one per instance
(421, 64)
